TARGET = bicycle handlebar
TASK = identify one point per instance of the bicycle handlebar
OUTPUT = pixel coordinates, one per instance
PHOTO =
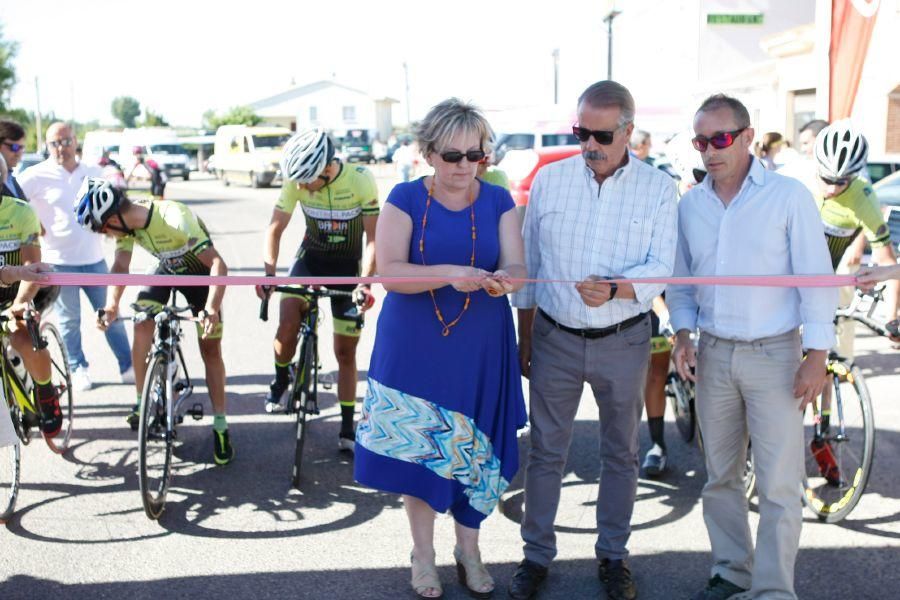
(140, 316)
(316, 293)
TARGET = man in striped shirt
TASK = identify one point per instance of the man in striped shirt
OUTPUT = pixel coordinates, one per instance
(591, 217)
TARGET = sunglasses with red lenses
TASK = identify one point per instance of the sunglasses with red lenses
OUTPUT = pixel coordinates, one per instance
(604, 138)
(719, 141)
(455, 156)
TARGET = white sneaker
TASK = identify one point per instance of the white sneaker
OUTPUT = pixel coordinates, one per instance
(346, 444)
(128, 375)
(81, 380)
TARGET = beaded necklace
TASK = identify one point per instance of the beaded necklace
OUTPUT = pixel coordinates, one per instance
(445, 327)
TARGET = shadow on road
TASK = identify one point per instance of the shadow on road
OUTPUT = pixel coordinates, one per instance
(664, 576)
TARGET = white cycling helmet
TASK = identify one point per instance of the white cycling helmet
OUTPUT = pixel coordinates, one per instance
(97, 201)
(841, 150)
(306, 155)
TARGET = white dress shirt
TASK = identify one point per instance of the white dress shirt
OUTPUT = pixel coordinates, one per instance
(771, 227)
(52, 191)
(575, 227)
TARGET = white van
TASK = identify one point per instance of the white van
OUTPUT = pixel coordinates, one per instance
(249, 154)
(97, 142)
(159, 144)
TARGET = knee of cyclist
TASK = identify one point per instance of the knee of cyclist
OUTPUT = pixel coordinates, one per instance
(345, 356)
(210, 349)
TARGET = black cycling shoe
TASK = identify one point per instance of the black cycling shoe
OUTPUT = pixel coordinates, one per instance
(51, 415)
(276, 392)
(616, 578)
(526, 580)
(223, 452)
(718, 588)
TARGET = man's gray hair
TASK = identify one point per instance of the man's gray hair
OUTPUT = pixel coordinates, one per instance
(449, 118)
(717, 101)
(610, 93)
(639, 137)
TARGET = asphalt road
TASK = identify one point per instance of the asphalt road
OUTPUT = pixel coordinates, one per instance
(242, 532)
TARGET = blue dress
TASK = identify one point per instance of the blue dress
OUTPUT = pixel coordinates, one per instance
(440, 416)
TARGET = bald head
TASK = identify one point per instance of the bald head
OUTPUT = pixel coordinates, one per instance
(62, 145)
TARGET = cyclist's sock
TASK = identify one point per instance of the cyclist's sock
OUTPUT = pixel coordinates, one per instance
(219, 422)
(44, 389)
(282, 372)
(826, 420)
(657, 428)
(347, 410)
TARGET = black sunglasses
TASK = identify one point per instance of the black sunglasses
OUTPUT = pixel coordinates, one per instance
(839, 181)
(719, 141)
(455, 156)
(604, 138)
(65, 143)
(14, 147)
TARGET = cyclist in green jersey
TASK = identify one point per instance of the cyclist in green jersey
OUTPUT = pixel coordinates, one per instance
(339, 204)
(20, 253)
(848, 206)
(174, 235)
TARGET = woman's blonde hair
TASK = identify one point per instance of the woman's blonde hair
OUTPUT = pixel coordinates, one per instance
(449, 118)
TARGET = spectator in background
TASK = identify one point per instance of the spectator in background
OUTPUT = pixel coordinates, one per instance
(405, 159)
(52, 187)
(768, 148)
(640, 145)
(12, 147)
(489, 172)
(803, 167)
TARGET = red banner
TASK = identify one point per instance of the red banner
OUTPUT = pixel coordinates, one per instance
(852, 22)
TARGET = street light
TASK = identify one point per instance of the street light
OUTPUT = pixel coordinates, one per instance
(556, 76)
(608, 19)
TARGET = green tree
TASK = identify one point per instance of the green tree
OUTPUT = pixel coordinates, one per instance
(152, 119)
(236, 115)
(126, 109)
(8, 50)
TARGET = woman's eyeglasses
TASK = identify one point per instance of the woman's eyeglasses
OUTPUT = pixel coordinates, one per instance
(14, 147)
(455, 156)
(604, 138)
(719, 141)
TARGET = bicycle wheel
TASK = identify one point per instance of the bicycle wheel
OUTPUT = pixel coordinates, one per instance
(155, 457)
(10, 470)
(303, 399)
(749, 475)
(60, 377)
(840, 458)
(681, 398)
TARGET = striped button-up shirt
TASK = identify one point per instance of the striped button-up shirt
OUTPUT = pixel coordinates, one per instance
(575, 227)
(772, 227)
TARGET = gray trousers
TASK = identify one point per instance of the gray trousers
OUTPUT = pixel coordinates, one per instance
(616, 369)
(746, 388)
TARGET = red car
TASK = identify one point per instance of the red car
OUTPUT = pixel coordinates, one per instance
(522, 165)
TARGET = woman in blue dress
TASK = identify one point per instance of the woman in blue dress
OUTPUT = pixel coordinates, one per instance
(445, 397)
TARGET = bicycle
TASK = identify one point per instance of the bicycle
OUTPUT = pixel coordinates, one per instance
(18, 391)
(304, 398)
(840, 461)
(167, 386)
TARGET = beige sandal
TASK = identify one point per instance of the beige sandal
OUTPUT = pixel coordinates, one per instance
(425, 578)
(473, 575)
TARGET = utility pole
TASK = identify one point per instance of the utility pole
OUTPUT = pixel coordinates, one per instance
(556, 76)
(37, 117)
(608, 19)
(406, 79)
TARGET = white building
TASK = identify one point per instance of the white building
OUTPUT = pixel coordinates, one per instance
(328, 104)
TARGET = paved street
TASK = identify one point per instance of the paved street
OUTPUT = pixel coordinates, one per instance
(242, 532)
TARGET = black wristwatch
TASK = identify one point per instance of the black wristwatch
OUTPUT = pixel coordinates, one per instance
(613, 288)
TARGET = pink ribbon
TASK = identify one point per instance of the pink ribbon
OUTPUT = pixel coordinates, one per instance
(103, 279)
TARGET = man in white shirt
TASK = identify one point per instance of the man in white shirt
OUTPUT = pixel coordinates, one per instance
(590, 217)
(51, 187)
(751, 378)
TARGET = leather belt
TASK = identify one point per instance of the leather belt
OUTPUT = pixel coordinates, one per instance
(592, 334)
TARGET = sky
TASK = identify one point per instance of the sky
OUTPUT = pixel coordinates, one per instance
(181, 58)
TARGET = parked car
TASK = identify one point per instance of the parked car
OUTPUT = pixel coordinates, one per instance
(522, 165)
(880, 167)
(28, 160)
(249, 154)
(888, 192)
(357, 147)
